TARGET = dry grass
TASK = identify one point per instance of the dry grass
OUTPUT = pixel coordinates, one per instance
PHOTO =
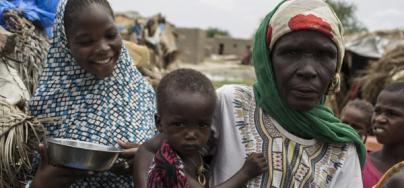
(20, 135)
(389, 69)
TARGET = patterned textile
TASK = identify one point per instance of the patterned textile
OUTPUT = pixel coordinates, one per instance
(293, 162)
(390, 172)
(302, 15)
(320, 122)
(120, 106)
(167, 170)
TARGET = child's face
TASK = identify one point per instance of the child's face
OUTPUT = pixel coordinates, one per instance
(388, 118)
(356, 119)
(94, 40)
(186, 121)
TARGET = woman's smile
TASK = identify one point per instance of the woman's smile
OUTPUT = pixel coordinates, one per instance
(104, 61)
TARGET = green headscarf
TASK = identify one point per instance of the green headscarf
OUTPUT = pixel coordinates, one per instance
(320, 122)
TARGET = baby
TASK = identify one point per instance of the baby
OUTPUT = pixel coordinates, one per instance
(358, 114)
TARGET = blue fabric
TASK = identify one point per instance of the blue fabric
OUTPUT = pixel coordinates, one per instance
(48, 5)
(136, 29)
(4, 6)
(120, 106)
(33, 10)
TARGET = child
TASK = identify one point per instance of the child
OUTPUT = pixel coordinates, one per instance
(395, 181)
(358, 114)
(393, 178)
(185, 105)
(91, 87)
(388, 127)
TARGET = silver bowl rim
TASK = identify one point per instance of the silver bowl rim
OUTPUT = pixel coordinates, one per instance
(57, 142)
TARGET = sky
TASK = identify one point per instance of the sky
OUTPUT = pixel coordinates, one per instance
(241, 17)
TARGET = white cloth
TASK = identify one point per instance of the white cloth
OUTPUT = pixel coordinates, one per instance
(293, 161)
(12, 87)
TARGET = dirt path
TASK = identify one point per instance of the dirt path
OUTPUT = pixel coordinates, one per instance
(224, 72)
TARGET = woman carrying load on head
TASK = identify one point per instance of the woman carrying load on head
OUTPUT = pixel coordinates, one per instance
(297, 55)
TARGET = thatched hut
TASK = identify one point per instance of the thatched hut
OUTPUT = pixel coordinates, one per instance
(363, 50)
(388, 69)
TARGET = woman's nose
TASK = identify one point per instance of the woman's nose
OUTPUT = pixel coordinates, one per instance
(103, 46)
(307, 70)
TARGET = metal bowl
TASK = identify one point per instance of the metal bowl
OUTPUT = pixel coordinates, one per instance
(81, 155)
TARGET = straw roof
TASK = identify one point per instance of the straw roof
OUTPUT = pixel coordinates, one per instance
(388, 69)
(374, 44)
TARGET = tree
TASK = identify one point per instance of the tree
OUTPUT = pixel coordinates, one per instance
(213, 31)
(345, 12)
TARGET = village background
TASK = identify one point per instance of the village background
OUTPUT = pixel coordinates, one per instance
(216, 38)
(219, 50)
(222, 51)
(212, 36)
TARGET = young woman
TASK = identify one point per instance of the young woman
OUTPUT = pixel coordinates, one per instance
(91, 88)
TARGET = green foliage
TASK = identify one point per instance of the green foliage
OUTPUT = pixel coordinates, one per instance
(213, 31)
(346, 13)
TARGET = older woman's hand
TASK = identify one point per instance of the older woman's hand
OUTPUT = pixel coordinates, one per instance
(51, 176)
(125, 167)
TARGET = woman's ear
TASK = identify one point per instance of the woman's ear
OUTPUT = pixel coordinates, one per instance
(158, 123)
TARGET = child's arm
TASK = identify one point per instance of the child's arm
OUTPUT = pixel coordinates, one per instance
(143, 160)
(255, 165)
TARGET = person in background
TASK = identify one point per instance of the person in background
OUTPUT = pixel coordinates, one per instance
(358, 114)
(393, 178)
(91, 88)
(388, 127)
(246, 57)
(136, 32)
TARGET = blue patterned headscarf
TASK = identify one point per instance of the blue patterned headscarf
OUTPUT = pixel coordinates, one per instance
(120, 106)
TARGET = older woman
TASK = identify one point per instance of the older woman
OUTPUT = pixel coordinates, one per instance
(297, 55)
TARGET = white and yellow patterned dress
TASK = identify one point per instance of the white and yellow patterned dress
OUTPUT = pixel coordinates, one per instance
(244, 128)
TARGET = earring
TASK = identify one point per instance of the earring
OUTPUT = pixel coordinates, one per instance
(334, 85)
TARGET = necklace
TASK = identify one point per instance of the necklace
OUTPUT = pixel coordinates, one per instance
(200, 171)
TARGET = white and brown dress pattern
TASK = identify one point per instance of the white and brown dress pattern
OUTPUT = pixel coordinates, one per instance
(293, 161)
